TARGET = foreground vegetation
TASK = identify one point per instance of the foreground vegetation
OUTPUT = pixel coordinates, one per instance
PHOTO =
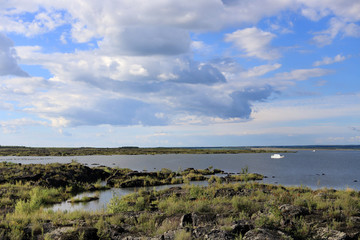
(222, 210)
(219, 211)
(241, 211)
(32, 151)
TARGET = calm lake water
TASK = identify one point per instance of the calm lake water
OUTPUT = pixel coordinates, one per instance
(323, 168)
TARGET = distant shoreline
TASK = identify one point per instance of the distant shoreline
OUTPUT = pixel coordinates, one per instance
(310, 148)
(84, 151)
(130, 150)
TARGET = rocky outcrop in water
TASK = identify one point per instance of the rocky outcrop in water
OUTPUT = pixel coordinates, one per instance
(51, 175)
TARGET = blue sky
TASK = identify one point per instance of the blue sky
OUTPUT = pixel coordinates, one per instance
(179, 73)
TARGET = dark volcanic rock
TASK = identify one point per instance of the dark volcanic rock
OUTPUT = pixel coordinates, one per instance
(200, 232)
(230, 192)
(225, 192)
(329, 234)
(195, 219)
(28, 177)
(290, 211)
(116, 232)
(169, 235)
(141, 174)
(88, 233)
(173, 191)
(71, 233)
(186, 220)
(132, 183)
(216, 234)
(242, 227)
(52, 175)
(55, 182)
(265, 234)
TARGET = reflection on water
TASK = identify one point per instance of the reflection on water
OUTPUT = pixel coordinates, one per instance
(105, 196)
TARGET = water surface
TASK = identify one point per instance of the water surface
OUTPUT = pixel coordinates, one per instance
(323, 168)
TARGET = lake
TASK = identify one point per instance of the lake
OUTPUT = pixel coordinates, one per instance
(323, 168)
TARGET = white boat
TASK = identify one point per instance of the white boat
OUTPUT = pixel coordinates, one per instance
(277, 156)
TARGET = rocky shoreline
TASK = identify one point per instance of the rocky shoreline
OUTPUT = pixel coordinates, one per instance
(223, 210)
(82, 177)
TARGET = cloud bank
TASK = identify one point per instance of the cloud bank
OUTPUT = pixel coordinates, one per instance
(134, 62)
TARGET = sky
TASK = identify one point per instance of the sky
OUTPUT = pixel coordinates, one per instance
(115, 73)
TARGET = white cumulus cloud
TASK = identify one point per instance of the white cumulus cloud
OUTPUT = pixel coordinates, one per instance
(329, 60)
(260, 70)
(254, 42)
(302, 74)
(337, 26)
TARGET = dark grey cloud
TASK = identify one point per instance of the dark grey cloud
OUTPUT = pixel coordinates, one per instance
(8, 58)
(238, 104)
(355, 129)
(148, 40)
(115, 112)
(195, 73)
(200, 74)
(242, 101)
(230, 2)
(180, 100)
(196, 91)
(173, 87)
